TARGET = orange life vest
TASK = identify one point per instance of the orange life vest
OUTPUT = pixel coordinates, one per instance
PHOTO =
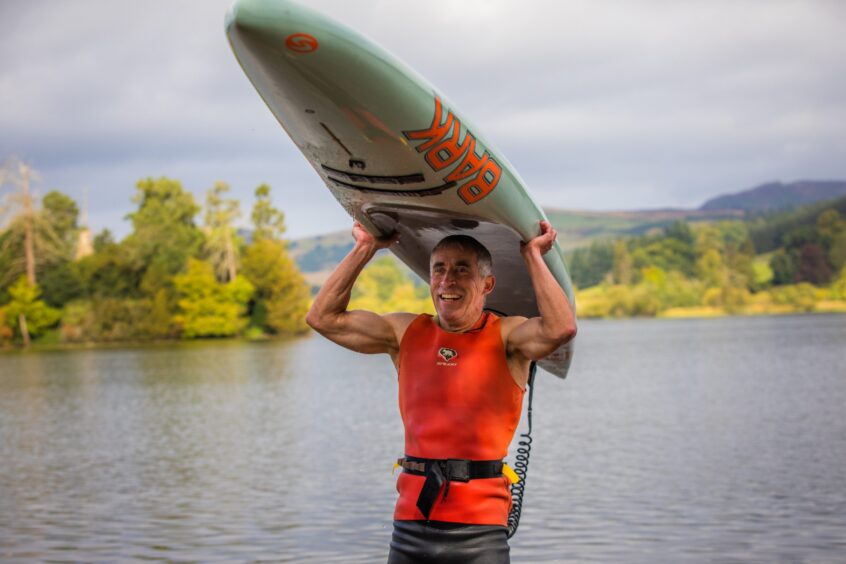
(457, 399)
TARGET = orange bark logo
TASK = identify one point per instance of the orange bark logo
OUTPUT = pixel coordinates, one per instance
(301, 43)
(445, 147)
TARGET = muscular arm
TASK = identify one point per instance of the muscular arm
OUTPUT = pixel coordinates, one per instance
(361, 331)
(536, 338)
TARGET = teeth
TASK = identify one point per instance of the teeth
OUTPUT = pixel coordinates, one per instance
(449, 297)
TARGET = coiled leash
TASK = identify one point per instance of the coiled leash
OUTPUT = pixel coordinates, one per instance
(521, 461)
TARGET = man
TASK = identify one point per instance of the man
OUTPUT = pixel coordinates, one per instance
(462, 375)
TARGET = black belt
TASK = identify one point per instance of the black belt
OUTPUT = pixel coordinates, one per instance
(439, 473)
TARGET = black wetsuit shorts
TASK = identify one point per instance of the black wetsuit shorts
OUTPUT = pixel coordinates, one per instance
(419, 542)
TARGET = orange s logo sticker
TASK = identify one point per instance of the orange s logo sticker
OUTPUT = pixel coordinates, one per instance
(301, 43)
(444, 147)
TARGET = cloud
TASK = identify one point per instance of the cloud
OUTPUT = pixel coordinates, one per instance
(598, 105)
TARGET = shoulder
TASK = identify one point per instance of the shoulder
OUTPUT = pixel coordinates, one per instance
(400, 322)
(508, 324)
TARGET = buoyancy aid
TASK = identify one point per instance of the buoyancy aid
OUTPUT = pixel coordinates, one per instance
(458, 400)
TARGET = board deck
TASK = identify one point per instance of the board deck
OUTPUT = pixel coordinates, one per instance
(391, 149)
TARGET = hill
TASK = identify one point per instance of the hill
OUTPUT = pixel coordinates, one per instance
(317, 256)
(776, 195)
(579, 228)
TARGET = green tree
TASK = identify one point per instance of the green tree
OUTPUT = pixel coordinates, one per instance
(62, 283)
(623, 271)
(829, 224)
(110, 271)
(589, 266)
(208, 308)
(837, 252)
(103, 239)
(832, 228)
(59, 279)
(783, 265)
(268, 221)
(164, 235)
(710, 268)
(62, 213)
(156, 323)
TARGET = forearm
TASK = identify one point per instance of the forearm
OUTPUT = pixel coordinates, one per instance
(334, 296)
(556, 315)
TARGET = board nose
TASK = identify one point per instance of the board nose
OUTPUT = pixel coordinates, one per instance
(262, 15)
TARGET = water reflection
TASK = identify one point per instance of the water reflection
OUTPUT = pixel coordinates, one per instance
(703, 441)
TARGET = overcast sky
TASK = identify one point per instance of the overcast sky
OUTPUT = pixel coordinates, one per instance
(598, 104)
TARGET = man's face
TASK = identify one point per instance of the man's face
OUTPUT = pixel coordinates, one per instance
(457, 287)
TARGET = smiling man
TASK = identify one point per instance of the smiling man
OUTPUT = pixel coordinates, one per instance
(462, 375)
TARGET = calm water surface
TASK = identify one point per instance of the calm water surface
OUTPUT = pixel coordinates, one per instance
(671, 441)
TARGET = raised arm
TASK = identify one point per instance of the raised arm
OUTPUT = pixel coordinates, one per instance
(538, 337)
(361, 331)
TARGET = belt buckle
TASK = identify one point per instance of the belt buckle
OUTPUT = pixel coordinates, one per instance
(458, 470)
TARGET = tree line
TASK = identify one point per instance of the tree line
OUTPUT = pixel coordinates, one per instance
(185, 271)
(777, 263)
(170, 278)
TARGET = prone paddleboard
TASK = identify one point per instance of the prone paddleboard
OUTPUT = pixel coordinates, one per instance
(393, 151)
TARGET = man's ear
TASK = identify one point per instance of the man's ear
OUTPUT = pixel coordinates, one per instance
(490, 282)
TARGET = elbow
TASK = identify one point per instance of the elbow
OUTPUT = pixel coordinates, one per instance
(313, 320)
(322, 322)
(563, 334)
(570, 332)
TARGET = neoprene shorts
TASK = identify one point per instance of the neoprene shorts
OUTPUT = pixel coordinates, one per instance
(419, 542)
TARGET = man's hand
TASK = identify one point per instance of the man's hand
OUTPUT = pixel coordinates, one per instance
(542, 243)
(535, 338)
(364, 239)
(361, 331)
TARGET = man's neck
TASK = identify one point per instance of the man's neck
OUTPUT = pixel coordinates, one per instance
(463, 328)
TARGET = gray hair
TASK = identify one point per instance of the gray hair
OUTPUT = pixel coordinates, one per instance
(467, 243)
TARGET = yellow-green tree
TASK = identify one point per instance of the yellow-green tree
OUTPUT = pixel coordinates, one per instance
(282, 296)
(26, 314)
(838, 287)
(208, 308)
(221, 245)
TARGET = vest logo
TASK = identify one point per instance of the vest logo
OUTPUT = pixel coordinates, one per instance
(447, 355)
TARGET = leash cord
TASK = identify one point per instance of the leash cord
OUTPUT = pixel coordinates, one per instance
(521, 462)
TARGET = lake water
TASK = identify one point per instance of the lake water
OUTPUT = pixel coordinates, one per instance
(671, 441)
